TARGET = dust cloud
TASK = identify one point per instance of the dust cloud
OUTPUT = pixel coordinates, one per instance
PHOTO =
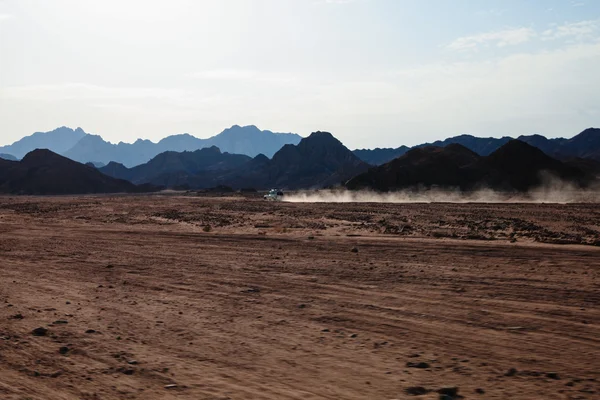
(553, 191)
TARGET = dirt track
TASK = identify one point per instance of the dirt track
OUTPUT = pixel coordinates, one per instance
(242, 299)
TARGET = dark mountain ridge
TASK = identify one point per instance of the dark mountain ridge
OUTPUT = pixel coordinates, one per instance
(43, 172)
(584, 145)
(317, 161)
(8, 157)
(171, 168)
(516, 166)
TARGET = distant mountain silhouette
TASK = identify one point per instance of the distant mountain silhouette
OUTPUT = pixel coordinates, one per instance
(481, 146)
(8, 157)
(173, 168)
(380, 156)
(59, 141)
(82, 147)
(516, 166)
(520, 166)
(584, 145)
(251, 141)
(248, 140)
(95, 164)
(318, 161)
(43, 172)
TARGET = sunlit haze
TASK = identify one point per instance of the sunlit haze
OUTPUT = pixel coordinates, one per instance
(375, 73)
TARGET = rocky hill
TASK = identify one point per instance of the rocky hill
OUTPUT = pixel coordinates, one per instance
(173, 168)
(42, 172)
(516, 166)
(319, 160)
(584, 145)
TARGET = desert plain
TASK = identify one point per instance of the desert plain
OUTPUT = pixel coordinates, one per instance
(186, 296)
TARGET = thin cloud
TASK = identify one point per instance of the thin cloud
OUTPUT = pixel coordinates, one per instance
(335, 1)
(6, 17)
(503, 38)
(242, 75)
(581, 30)
(85, 91)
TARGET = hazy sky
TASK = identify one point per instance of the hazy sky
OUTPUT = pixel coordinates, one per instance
(372, 72)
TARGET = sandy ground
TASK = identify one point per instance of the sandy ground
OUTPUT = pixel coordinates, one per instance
(175, 297)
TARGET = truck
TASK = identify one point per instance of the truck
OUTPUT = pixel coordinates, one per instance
(274, 195)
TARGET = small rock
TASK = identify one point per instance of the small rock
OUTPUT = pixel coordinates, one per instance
(56, 374)
(553, 375)
(40, 331)
(421, 365)
(90, 331)
(479, 391)
(132, 362)
(302, 306)
(63, 350)
(354, 250)
(450, 391)
(60, 322)
(170, 386)
(16, 316)
(325, 330)
(416, 391)
(354, 335)
(126, 371)
(511, 372)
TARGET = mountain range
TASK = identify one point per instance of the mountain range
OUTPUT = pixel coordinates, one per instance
(251, 141)
(317, 161)
(43, 172)
(83, 147)
(584, 145)
(174, 169)
(8, 157)
(515, 166)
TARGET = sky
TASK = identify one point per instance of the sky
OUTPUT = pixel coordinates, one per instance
(374, 73)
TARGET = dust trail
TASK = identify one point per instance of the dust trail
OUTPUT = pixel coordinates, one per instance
(555, 192)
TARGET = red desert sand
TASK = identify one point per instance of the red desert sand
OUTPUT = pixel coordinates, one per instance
(191, 297)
